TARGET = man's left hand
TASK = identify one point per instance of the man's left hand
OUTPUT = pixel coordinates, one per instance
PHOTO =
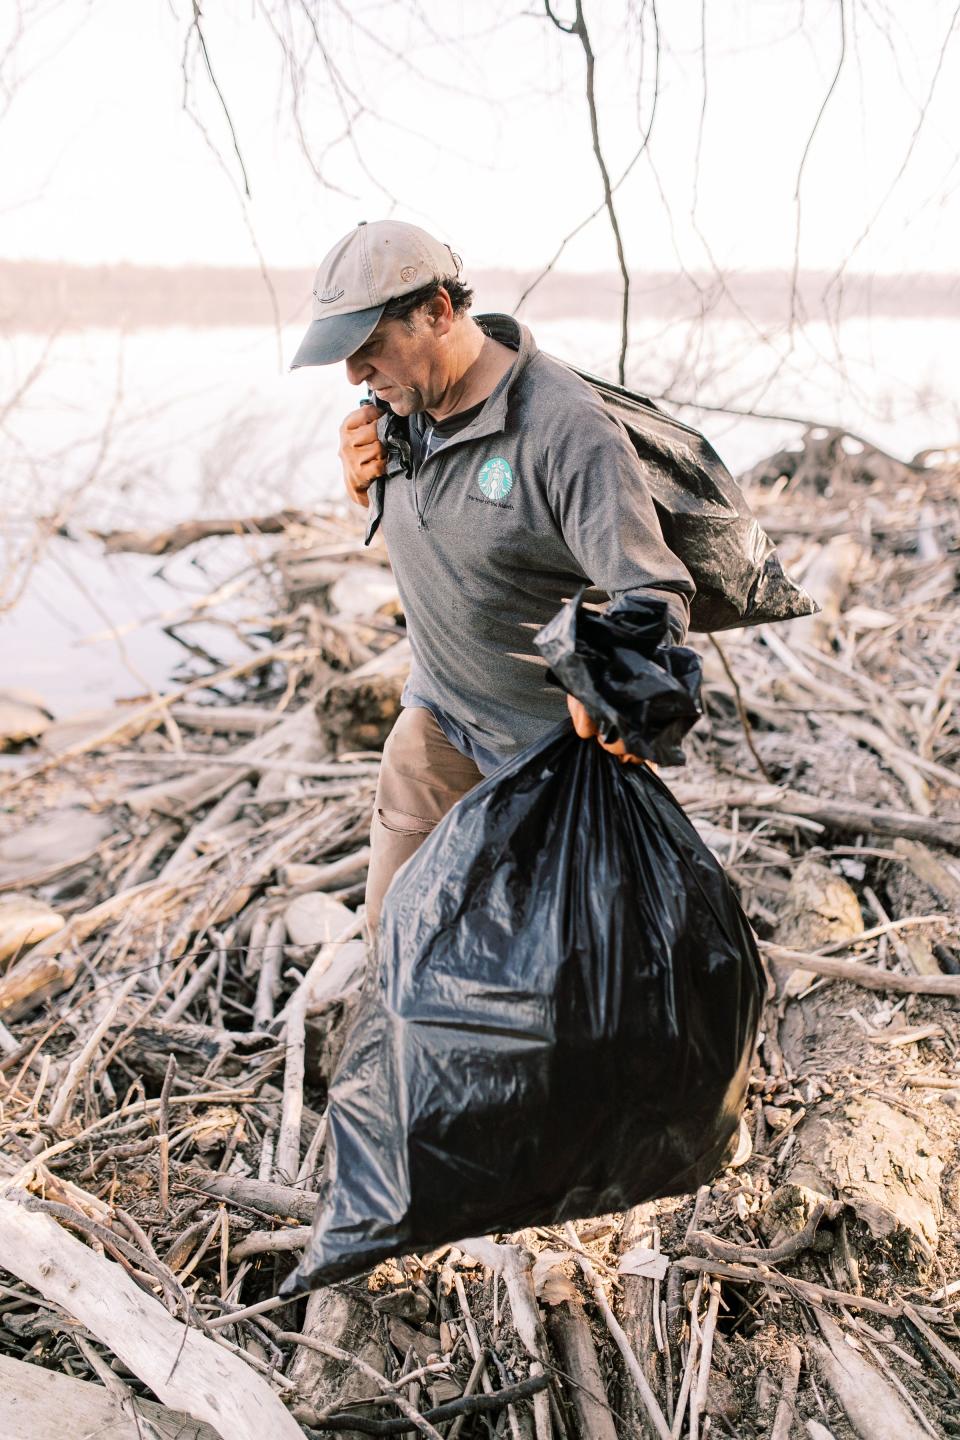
(588, 729)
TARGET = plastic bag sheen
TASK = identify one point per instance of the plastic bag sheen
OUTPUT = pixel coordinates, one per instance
(705, 519)
(565, 999)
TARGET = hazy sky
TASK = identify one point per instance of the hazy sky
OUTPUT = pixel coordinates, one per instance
(470, 119)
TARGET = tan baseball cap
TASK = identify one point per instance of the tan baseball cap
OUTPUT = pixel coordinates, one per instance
(373, 264)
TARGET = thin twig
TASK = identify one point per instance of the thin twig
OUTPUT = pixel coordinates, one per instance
(647, 1397)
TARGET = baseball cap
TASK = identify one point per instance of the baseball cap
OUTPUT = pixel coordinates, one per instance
(373, 264)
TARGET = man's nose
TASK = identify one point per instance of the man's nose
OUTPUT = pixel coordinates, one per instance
(358, 370)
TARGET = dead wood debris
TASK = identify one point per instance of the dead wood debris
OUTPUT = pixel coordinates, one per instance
(182, 943)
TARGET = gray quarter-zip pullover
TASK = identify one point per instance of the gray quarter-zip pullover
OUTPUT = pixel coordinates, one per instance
(541, 494)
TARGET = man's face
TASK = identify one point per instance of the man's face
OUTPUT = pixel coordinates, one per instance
(404, 367)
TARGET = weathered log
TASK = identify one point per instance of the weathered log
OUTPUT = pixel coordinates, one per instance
(23, 922)
(271, 1242)
(152, 1042)
(842, 816)
(226, 719)
(263, 1195)
(357, 711)
(870, 1403)
(515, 1265)
(41, 1404)
(872, 1158)
(870, 976)
(569, 1331)
(301, 879)
(651, 1404)
(861, 1152)
(180, 1365)
(638, 1303)
(293, 737)
(146, 717)
(786, 1403)
(50, 966)
(820, 907)
(178, 537)
(337, 1317)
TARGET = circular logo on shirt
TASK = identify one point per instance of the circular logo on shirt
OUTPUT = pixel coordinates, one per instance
(496, 478)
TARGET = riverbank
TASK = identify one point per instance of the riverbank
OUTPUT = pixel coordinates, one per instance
(173, 1010)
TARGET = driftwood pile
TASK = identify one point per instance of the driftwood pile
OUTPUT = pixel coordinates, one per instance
(181, 947)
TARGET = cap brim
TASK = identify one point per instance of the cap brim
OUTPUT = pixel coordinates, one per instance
(334, 337)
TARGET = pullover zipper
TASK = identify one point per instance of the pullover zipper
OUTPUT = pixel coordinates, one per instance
(440, 455)
(422, 510)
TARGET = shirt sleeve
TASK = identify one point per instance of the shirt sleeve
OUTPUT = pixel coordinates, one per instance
(601, 499)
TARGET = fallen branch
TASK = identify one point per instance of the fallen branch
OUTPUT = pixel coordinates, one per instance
(755, 1254)
(698, 1394)
(466, 1405)
(263, 1195)
(182, 1367)
(516, 1267)
(804, 1289)
(871, 1405)
(386, 1387)
(650, 1402)
(786, 1405)
(866, 975)
(178, 537)
(846, 816)
(42, 1404)
(65, 1096)
(271, 1242)
(144, 716)
(53, 965)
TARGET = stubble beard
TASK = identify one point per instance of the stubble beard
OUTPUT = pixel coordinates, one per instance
(404, 402)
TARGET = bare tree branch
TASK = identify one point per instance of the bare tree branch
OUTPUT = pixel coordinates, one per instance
(201, 40)
(579, 28)
(803, 159)
(836, 280)
(215, 152)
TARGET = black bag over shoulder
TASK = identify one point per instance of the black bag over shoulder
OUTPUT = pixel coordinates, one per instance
(705, 519)
(563, 1007)
(703, 514)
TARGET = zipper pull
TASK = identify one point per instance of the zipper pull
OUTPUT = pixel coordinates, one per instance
(420, 523)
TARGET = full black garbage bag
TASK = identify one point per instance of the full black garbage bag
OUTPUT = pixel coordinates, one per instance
(561, 1015)
(705, 519)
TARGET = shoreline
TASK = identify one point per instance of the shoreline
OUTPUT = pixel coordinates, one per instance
(43, 296)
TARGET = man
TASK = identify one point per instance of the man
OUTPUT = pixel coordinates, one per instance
(523, 490)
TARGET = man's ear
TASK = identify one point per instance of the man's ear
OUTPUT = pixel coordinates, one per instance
(440, 312)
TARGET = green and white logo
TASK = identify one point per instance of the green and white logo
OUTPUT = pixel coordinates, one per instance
(496, 478)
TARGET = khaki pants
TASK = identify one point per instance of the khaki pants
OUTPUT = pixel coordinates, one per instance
(421, 778)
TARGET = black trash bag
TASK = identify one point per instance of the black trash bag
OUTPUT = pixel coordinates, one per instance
(564, 1003)
(636, 685)
(705, 519)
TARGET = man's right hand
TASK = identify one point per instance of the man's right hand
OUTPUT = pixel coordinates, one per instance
(362, 454)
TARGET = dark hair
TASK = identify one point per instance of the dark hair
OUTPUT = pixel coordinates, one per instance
(403, 306)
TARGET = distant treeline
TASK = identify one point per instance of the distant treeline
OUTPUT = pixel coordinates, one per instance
(40, 296)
